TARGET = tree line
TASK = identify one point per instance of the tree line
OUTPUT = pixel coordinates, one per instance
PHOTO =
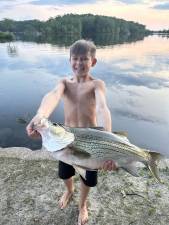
(163, 32)
(6, 36)
(71, 24)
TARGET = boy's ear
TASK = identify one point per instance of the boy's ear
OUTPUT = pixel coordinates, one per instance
(94, 61)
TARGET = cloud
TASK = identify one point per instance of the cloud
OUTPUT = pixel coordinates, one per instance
(137, 116)
(133, 10)
(14, 2)
(162, 6)
(128, 2)
(6, 5)
(60, 2)
(146, 81)
(133, 78)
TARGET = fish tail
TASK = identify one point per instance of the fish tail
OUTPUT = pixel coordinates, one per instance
(153, 163)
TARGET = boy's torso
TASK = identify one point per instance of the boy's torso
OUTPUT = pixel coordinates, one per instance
(80, 103)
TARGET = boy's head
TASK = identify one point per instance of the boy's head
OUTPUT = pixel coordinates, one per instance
(82, 57)
(83, 47)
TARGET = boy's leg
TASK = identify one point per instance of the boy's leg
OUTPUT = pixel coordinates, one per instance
(64, 200)
(91, 181)
(83, 212)
(66, 172)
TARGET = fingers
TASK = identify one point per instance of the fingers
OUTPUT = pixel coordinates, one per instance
(109, 165)
(31, 132)
(35, 134)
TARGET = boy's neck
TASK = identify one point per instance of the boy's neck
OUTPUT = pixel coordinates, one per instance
(82, 79)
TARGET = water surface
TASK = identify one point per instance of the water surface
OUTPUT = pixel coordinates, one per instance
(136, 75)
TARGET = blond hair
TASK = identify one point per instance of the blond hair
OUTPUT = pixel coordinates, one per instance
(82, 47)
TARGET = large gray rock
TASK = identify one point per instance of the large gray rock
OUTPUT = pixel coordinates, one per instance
(30, 190)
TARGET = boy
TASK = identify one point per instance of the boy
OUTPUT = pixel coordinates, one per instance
(84, 106)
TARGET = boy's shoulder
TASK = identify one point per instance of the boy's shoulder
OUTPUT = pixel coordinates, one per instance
(65, 80)
(99, 83)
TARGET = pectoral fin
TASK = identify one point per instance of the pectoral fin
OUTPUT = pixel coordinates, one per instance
(80, 171)
(78, 152)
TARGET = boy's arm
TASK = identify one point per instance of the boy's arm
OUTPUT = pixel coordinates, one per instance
(103, 115)
(47, 106)
(51, 100)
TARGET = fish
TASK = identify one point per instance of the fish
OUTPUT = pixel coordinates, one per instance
(88, 148)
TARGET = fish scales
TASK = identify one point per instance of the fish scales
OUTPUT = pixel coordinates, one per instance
(86, 144)
(103, 152)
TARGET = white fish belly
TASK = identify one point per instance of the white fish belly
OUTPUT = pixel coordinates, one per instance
(65, 155)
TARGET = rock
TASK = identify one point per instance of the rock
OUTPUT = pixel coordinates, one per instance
(30, 190)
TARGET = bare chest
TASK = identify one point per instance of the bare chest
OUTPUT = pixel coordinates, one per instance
(79, 104)
(80, 93)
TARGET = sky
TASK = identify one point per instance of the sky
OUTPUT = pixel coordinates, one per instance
(154, 14)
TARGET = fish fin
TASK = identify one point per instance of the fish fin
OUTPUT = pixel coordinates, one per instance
(131, 168)
(121, 133)
(79, 152)
(80, 171)
(121, 138)
(86, 168)
(153, 163)
(98, 128)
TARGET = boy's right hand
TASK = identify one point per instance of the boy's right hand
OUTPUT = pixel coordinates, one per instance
(30, 127)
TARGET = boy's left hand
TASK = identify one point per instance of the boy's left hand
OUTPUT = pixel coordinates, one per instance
(109, 165)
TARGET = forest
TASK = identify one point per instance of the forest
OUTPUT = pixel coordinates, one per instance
(81, 26)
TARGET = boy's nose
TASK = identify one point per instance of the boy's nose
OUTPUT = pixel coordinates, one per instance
(80, 62)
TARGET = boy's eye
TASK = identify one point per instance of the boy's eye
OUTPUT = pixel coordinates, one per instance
(85, 59)
(81, 59)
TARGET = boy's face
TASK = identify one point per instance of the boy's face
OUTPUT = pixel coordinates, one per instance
(81, 64)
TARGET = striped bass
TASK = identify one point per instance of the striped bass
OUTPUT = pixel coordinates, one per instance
(88, 148)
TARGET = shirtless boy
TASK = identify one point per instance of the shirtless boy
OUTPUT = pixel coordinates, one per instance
(84, 106)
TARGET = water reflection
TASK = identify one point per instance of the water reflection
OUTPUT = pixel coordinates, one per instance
(101, 39)
(136, 74)
(12, 50)
(112, 39)
(64, 40)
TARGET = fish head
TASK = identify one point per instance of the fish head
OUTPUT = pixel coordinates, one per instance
(54, 137)
(57, 130)
(45, 126)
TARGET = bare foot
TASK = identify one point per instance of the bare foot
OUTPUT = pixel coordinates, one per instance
(65, 199)
(83, 216)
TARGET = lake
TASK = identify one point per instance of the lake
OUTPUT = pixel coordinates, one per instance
(136, 75)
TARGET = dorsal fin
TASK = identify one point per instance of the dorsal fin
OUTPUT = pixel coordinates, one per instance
(96, 128)
(121, 133)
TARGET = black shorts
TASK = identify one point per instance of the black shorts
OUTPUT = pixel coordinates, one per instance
(66, 171)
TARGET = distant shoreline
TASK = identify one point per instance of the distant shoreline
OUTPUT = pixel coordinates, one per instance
(6, 36)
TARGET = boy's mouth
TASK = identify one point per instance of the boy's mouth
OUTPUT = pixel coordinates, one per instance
(79, 69)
